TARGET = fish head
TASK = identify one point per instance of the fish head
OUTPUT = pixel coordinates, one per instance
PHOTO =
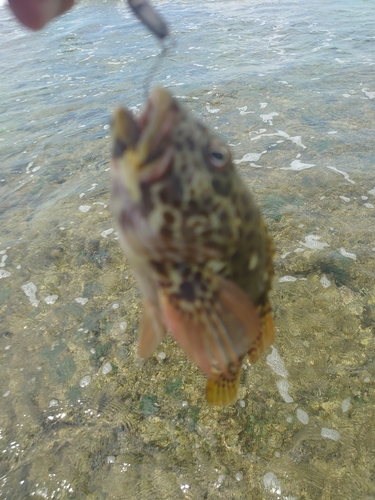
(174, 175)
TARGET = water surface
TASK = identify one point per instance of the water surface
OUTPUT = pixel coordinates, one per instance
(291, 86)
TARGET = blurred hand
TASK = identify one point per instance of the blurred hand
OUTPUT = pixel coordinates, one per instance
(37, 13)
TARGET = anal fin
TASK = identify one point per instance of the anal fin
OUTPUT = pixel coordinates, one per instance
(151, 330)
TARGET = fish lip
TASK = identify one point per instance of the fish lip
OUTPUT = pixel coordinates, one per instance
(156, 122)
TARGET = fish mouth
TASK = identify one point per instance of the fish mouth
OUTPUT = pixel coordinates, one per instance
(144, 143)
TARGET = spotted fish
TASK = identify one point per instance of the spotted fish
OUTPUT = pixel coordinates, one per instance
(195, 239)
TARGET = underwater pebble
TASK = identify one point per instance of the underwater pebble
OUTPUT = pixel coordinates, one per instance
(84, 382)
(184, 404)
(276, 363)
(115, 306)
(302, 416)
(364, 198)
(344, 198)
(123, 325)
(330, 434)
(107, 232)
(81, 300)
(84, 208)
(162, 355)
(4, 274)
(271, 483)
(325, 282)
(372, 191)
(51, 299)
(283, 386)
(347, 254)
(345, 405)
(6, 394)
(106, 127)
(242, 403)
(367, 380)
(3, 259)
(53, 402)
(111, 459)
(239, 476)
(277, 454)
(284, 279)
(30, 290)
(368, 205)
(289, 420)
(106, 368)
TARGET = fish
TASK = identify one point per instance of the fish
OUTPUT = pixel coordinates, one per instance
(195, 239)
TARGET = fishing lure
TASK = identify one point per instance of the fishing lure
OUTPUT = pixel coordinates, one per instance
(149, 17)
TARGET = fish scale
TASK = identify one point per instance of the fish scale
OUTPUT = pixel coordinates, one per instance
(196, 240)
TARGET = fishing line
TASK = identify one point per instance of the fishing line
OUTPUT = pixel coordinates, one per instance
(146, 13)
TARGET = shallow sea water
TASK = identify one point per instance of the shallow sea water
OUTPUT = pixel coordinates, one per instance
(291, 86)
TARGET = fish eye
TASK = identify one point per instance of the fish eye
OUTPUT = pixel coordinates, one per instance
(218, 155)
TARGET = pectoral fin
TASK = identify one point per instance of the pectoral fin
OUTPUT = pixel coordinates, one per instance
(151, 330)
(215, 331)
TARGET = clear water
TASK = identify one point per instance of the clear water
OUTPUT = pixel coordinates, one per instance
(291, 85)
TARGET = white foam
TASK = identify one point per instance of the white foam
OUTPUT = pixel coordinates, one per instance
(283, 386)
(344, 198)
(347, 254)
(284, 279)
(296, 139)
(276, 364)
(84, 208)
(269, 118)
(325, 282)
(330, 434)
(107, 232)
(342, 173)
(243, 111)
(4, 274)
(30, 290)
(250, 157)
(3, 259)
(312, 241)
(302, 416)
(372, 191)
(370, 95)
(298, 165)
(212, 110)
(263, 105)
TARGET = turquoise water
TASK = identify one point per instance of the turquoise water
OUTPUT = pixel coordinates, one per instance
(291, 86)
